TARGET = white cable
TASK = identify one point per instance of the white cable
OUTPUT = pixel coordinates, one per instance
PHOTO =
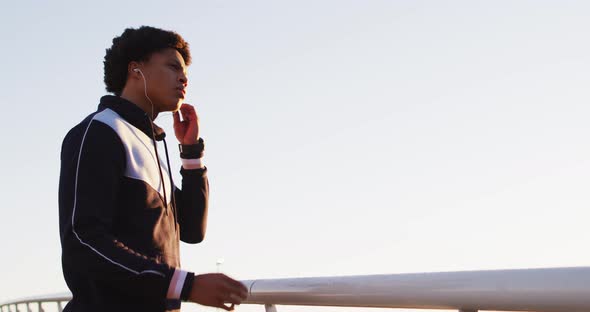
(145, 92)
(155, 147)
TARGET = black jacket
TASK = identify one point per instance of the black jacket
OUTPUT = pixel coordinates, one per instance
(120, 225)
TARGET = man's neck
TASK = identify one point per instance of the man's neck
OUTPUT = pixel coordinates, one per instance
(141, 101)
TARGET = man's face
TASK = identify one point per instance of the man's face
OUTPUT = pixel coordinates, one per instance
(165, 73)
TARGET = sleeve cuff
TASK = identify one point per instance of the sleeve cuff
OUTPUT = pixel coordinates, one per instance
(192, 163)
(188, 286)
(176, 284)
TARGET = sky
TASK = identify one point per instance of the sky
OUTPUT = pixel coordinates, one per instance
(342, 137)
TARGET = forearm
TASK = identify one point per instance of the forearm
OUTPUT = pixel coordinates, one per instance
(193, 203)
(192, 200)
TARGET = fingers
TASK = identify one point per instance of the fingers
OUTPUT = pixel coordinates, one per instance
(234, 296)
(176, 117)
(226, 308)
(217, 290)
(235, 291)
(240, 291)
(188, 112)
(236, 288)
(187, 108)
(233, 299)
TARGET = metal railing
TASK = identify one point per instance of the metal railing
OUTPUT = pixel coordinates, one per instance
(39, 302)
(541, 290)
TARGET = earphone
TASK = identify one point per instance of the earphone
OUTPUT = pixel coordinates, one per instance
(137, 70)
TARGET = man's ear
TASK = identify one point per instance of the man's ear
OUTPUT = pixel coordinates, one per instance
(132, 70)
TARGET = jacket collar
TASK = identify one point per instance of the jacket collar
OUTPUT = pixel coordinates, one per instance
(132, 114)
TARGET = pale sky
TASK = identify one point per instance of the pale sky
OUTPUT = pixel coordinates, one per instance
(342, 137)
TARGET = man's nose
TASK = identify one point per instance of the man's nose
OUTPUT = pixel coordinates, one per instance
(183, 79)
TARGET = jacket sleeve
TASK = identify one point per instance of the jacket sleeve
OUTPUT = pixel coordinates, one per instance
(192, 204)
(90, 179)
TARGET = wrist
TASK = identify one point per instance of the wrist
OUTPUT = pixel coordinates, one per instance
(192, 151)
(189, 141)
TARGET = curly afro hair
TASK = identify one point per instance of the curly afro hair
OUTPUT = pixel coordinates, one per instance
(138, 45)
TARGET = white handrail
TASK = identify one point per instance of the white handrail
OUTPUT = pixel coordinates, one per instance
(37, 300)
(542, 290)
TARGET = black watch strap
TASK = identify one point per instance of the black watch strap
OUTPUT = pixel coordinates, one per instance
(192, 151)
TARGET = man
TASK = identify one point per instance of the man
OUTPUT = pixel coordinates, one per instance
(121, 217)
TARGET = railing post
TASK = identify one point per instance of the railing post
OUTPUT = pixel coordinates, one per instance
(59, 307)
(270, 308)
(40, 308)
(467, 310)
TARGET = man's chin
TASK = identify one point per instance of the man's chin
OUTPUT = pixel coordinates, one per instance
(177, 107)
(174, 107)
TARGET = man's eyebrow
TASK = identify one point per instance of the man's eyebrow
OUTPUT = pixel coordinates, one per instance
(176, 62)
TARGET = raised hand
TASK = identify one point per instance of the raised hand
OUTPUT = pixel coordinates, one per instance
(186, 131)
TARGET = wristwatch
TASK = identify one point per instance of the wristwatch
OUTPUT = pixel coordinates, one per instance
(192, 151)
